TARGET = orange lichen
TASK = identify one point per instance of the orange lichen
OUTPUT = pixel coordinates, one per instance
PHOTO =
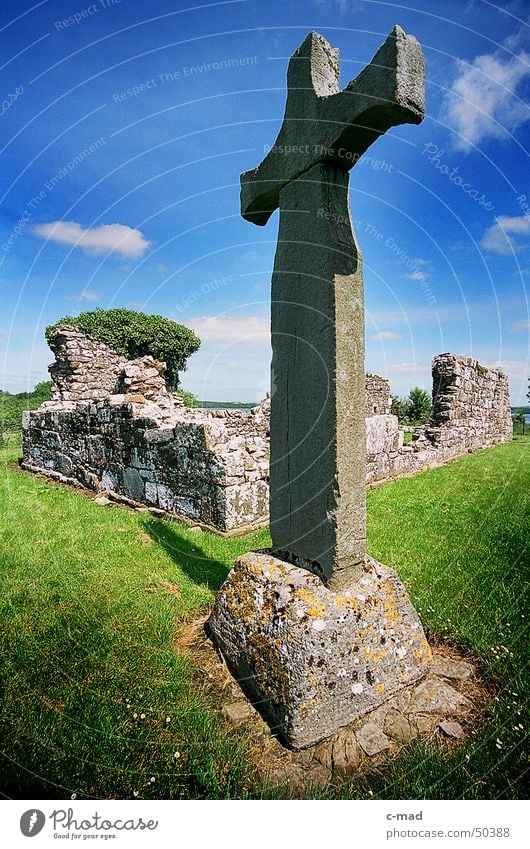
(315, 606)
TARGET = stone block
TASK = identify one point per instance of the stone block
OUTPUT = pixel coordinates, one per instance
(311, 659)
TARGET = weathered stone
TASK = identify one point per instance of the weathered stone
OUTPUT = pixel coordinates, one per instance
(378, 399)
(314, 659)
(318, 456)
(322, 753)
(371, 739)
(324, 123)
(436, 696)
(425, 723)
(317, 514)
(446, 667)
(451, 729)
(237, 712)
(153, 451)
(102, 500)
(319, 650)
(398, 727)
(345, 752)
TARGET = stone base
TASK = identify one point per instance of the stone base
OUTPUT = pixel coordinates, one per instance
(313, 661)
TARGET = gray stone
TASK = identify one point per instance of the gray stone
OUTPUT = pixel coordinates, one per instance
(323, 123)
(189, 463)
(318, 455)
(398, 727)
(447, 667)
(345, 752)
(319, 650)
(102, 500)
(237, 712)
(317, 442)
(436, 696)
(451, 729)
(371, 739)
(314, 659)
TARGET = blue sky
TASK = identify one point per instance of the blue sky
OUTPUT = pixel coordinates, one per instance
(126, 126)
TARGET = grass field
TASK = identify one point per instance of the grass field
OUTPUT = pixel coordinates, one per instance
(96, 702)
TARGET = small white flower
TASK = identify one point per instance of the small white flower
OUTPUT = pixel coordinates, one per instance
(135, 793)
(73, 796)
(142, 716)
(168, 720)
(135, 716)
(152, 779)
(176, 755)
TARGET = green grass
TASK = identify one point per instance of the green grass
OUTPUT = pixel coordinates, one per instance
(87, 629)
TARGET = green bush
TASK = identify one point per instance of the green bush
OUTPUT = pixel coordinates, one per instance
(188, 397)
(136, 334)
(415, 409)
(12, 406)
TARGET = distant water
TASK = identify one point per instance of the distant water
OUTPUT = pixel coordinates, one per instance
(527, 418)
(244, 407)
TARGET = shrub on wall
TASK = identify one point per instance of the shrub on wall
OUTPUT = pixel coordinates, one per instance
(136, 334)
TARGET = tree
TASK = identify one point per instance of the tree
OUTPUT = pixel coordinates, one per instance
(419, 406)
(399, 408)
(188, 398)
(415, 409)
(136, 334)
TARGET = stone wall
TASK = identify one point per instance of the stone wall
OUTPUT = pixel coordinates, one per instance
(471, 410)
(378, 400)
(113, 426)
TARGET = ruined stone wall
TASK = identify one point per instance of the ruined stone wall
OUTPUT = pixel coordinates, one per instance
(471, 404)
(210, 467)
(84, 369)
(471, 410)
(113, 426)
(378, 400)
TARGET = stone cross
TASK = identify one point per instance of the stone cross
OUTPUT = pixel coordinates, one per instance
(318, 455)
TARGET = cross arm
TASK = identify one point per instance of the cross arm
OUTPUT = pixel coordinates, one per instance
(323, 123)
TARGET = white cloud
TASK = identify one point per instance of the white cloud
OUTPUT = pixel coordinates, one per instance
(231, 328)
(417, 276)
(498, 237)
(513, 368)
(385, 336)
(86, 295)
(108, 238)
(409, 368)
(482, 101)
(524, 324)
